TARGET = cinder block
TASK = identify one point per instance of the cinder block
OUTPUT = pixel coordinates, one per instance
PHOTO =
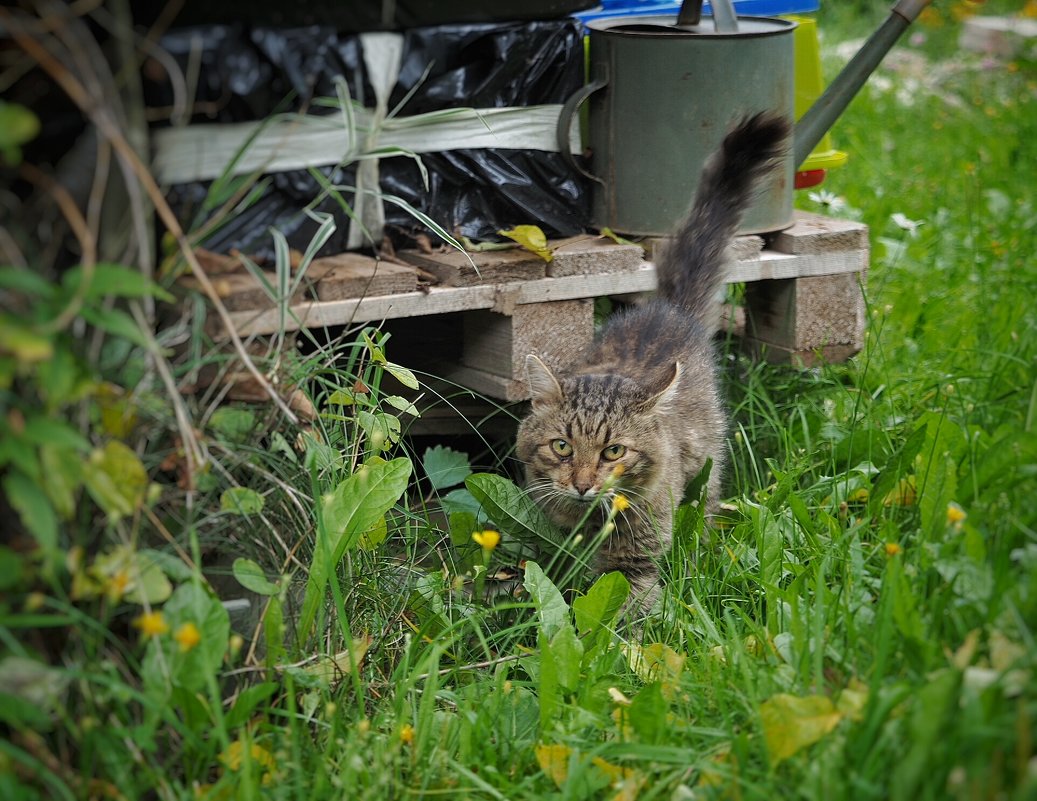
(496, 345)
(812, 233)
(592, 255)
(802, 315)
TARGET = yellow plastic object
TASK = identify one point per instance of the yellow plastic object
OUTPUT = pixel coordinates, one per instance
(809, 86)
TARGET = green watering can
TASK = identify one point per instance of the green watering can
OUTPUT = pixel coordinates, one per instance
(663, 91)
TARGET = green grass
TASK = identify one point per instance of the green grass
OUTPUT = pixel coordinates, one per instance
(860, 626)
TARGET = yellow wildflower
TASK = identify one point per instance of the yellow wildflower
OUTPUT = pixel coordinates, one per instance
(955, 514)
(407, 734)
(188, 636)
(151, 624)
(620, 503)
(893, 548)
(116, 585)
(488, 540)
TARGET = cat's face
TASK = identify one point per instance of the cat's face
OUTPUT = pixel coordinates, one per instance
(587, 437)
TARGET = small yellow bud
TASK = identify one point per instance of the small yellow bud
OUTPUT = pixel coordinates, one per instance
(955, 514)
(488, 540)
(892, 549)
(151, 624)
(407, 734)
(188, 636)
(620, 503)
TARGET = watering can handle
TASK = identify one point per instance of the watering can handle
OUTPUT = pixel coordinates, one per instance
(725, 20)
(565, 121)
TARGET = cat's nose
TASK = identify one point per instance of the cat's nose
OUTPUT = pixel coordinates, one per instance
(583, 484)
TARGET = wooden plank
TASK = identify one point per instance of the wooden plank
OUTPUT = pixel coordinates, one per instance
(494, 386)
(441, 300)
(241, 292)
(454, 268)
(353, 275)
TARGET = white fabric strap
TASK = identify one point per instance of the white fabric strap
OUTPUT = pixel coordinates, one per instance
(383, 55)
(294, 142)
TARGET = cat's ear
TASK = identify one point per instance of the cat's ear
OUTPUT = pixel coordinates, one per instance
(667, 389)
(543, 386)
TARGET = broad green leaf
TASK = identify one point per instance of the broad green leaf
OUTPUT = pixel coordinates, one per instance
(897, 470)
(551, 607)
(600, 606)
(191, 668)
(352, 508)
(232, 423)
(115, 322)
(1010, 460)
(138, 576)
(647, 714)
(25, 281)
(251, 577)
(11, 566)
(172, 566)
(401, 403)
(115, 280)
(383, 430)
(403, 375)
(657, 662)
(531, 238)
(273, 631)
(937, 481)
(445, 467)
(905, 609)
(933, 709)
(247, 701)
(342, 397)
(567, 651)
(33, 507)
(45, 431)
(241, 500)
(21, 342)
(374, 536)
(791, 723)
(116, 479)
(462, 526)
(509, 507)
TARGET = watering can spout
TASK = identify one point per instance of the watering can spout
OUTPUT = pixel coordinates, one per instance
(826, 109)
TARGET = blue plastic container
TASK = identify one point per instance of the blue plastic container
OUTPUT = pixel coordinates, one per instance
(746, 8)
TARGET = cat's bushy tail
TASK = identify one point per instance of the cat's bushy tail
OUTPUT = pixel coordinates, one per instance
(691, 268)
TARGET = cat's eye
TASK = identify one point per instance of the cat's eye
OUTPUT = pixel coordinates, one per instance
(613, 452)
(561, 448)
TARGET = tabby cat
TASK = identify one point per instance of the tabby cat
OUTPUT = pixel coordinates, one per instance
(639, 413)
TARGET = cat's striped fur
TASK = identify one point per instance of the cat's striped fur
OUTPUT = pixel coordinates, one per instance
(644, 396)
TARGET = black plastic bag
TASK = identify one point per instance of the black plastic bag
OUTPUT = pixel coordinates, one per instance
(249, 74)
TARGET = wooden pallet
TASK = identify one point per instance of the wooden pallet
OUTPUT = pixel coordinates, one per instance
(804, 298)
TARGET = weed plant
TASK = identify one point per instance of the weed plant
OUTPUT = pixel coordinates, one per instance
(858, 624)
